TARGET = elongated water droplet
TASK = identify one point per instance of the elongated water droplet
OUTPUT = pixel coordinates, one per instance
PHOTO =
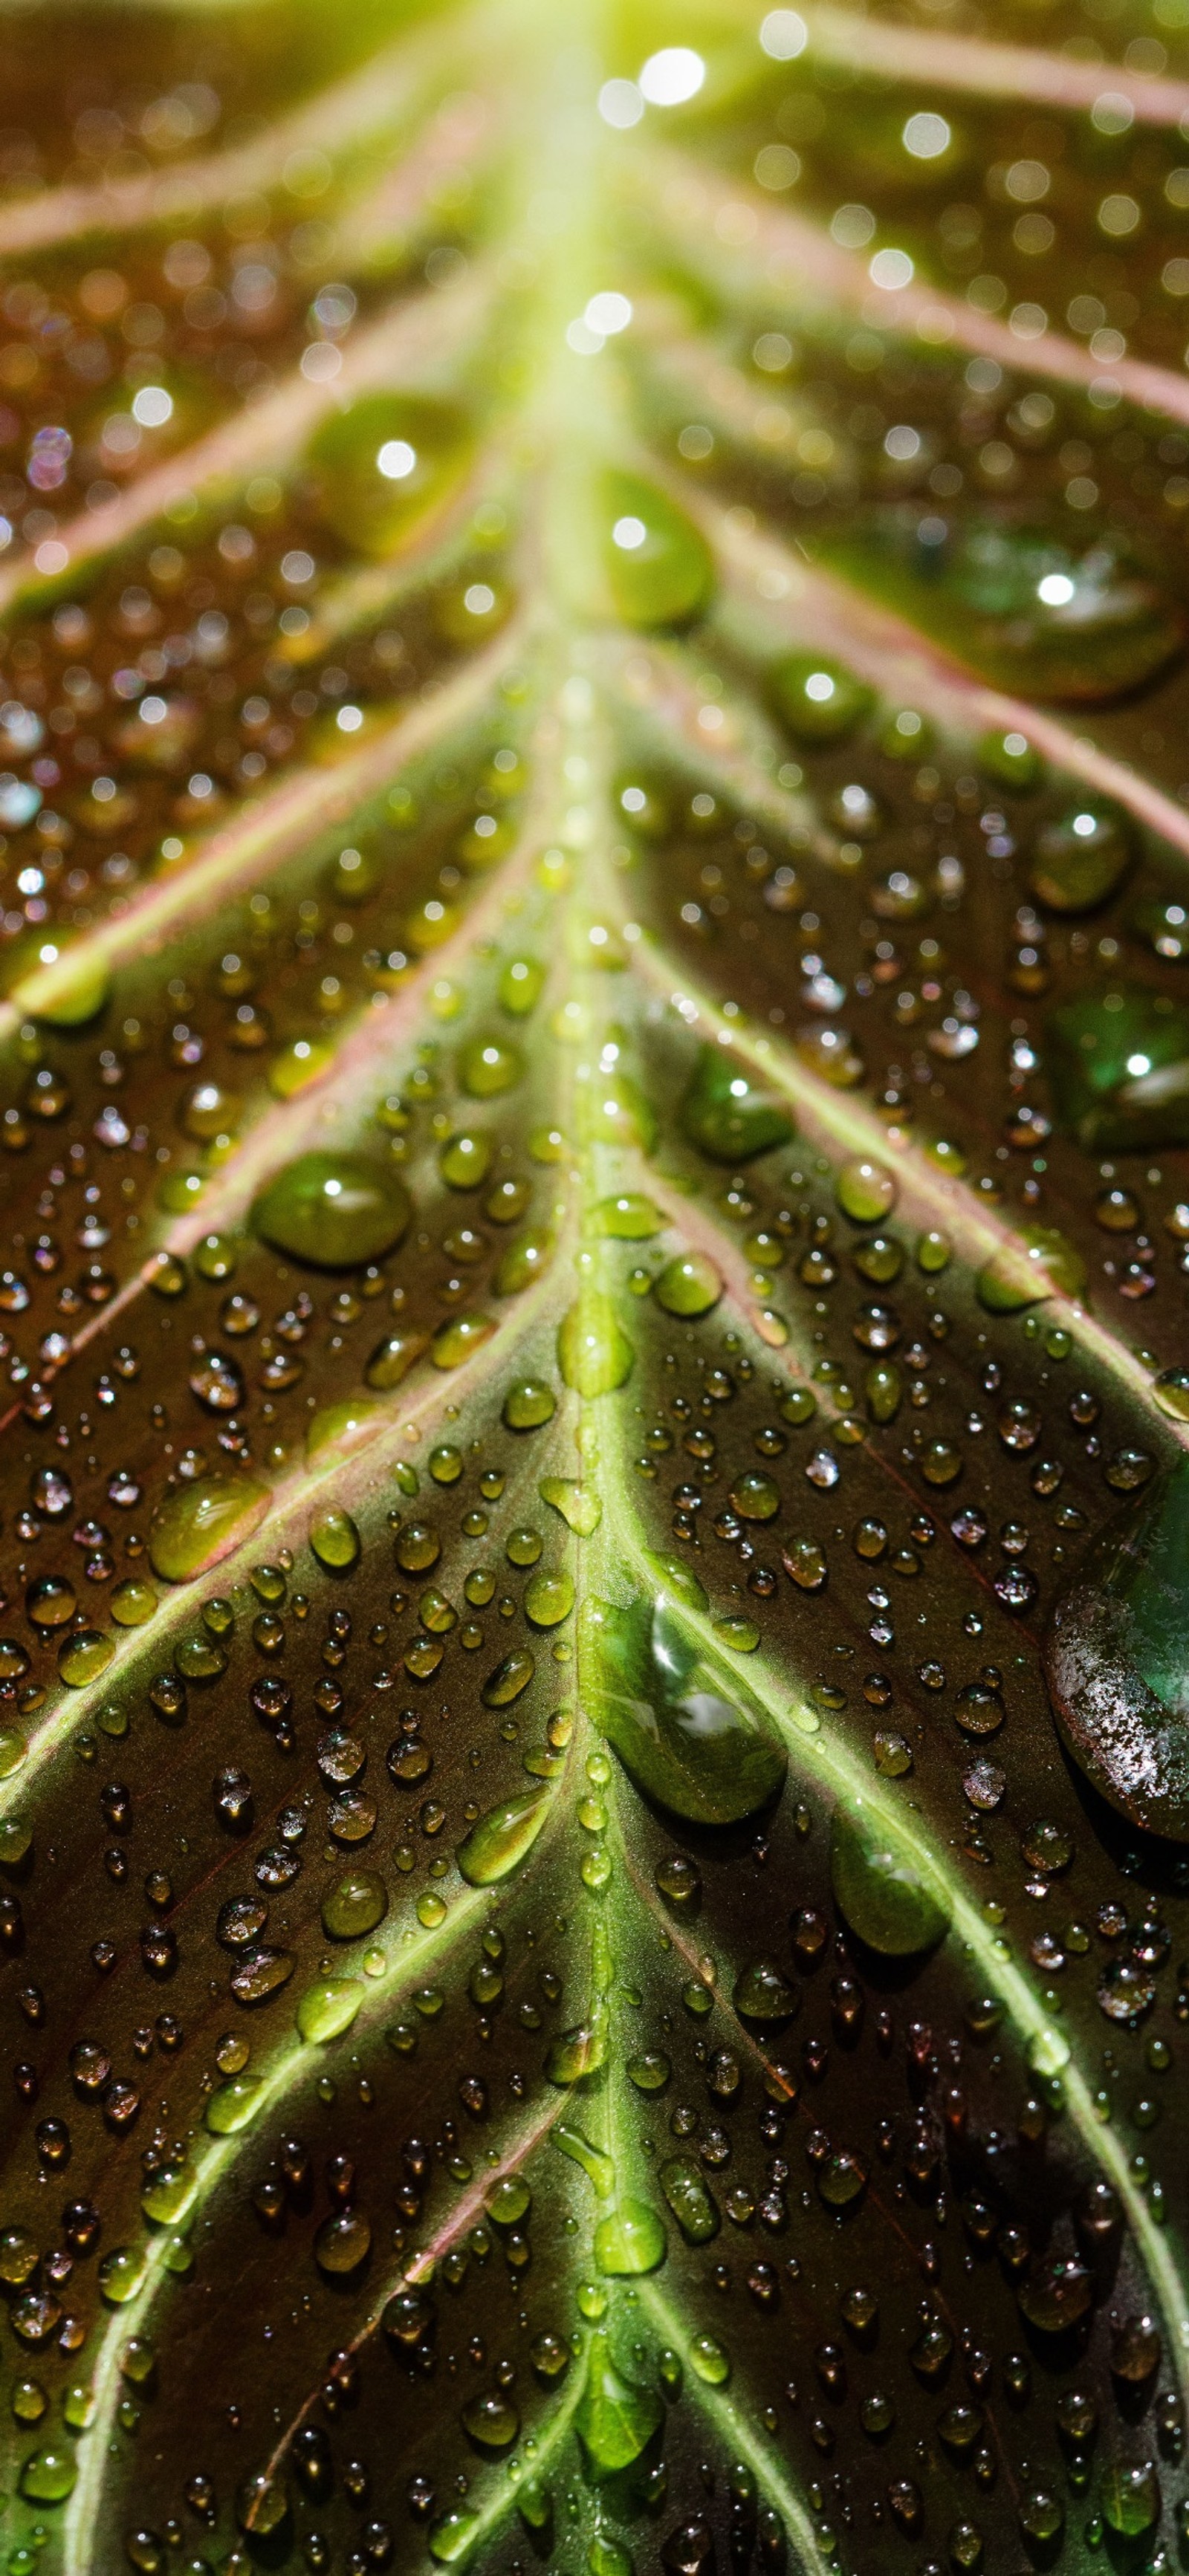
(501, 1839)
(889, 1897)
(1042, 1266)
(329, 2007)
(593, 1353)
(656, 565)
(690, 1737)
(579, 1505)
(337, 1429)
(615, 2417)
(198, 1524)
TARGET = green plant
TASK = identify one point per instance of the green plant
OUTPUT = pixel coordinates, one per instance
(594, 862)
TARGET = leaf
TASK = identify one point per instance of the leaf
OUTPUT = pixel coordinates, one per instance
(592, 1089)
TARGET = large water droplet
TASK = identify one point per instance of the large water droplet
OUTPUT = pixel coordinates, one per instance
(198, 1524)
(497, 1844)
(329, 2007)
(1119, 1066)
(382, 461)
(657, 567)
(1028, 611)
(615, 2417)
(1040, 1264)
(1117, 1663)
(593, 1353)
(630, 2240)
(689, 1735)
(727, 1116)
(889, 1897)
(354, 1905)
(333, 1210)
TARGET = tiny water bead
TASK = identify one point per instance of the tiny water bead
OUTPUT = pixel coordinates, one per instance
(333, 1211)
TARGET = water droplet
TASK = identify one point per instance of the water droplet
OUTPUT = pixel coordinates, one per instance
(335, 1541)
(1119, 1066)
(333, 1210)
(726, 1116)
(378, 464)
(593, 1354)
(456, 1341)
(83, 1656)
(688, 1735)
(509, 1679)
(49, 2475)
(200, 1523)
(630, 1218)
(1116, 1664)
(630, 2240)
(1043, 1265)
(615, 2417)
(491, 2420)
(392, 1359)
(354, 1905)
(329, 2007)
(656, 566)
(688, 1285)
(865, 1192)
(528, 1404)
(525, 1259)
(497, 1844)
(1080, 859)
(579, 1505)
(818, 699)
(1025, 610)
(889, 1897)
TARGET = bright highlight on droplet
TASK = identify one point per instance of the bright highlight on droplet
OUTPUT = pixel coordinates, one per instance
(396, 459)
(891, 269)
(607, 313)
(620, 104)
(1139, 1064)
(672, 76)
(152, 406)
(819, 687)
(926, 136)
(1055, 591)
(784, 35)
(1085, 826)
(629, 534)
